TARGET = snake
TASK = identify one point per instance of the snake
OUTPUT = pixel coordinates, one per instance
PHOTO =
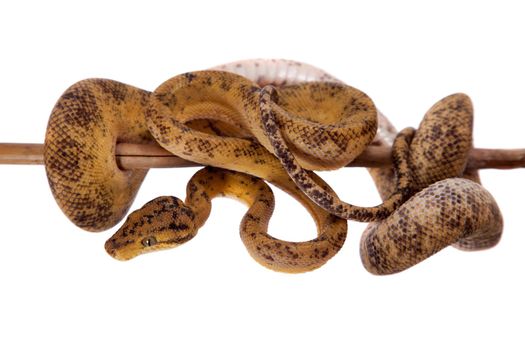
(167, 222)
(213, 117)
(450, 206)
(438, 158)
(328, 125)
(87, 122)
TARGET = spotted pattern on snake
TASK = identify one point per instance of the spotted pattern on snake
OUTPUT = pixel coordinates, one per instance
(438, 151)
(448, 210)
(329, 124)
(94, 125)
(438, 216)
(313, 125)
(79, 151)
(400, 153)
(112, 197)
(168, 222)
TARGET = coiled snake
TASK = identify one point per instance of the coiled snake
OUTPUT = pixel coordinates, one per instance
(305, 120)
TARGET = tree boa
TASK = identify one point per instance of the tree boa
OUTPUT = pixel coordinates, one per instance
(278, 121)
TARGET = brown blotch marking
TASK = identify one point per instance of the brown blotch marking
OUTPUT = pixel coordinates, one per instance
(268, 257)
(190, 76)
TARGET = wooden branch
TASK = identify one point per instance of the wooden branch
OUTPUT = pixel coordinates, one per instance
(136, 156)
(21, 153)
(133, 156)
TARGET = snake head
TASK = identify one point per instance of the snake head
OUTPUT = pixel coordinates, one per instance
(165, 222)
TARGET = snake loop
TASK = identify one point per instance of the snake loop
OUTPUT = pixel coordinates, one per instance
(327, 124)
(168, 222)
(310, 121)
(270, 108)
(330, 124)
(441, 214)
(93, 115)
(85, 125)
(447, 210)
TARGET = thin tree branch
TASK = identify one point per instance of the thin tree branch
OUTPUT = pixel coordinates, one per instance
(137, 156)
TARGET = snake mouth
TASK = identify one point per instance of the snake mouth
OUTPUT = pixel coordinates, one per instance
(130, 249)
(112, 247)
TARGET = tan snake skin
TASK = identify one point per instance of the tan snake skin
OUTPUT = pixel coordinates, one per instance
(79, 151)
(167, 222)
(448, 210)
(196, 116)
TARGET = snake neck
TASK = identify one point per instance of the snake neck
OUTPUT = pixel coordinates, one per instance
(212, 182)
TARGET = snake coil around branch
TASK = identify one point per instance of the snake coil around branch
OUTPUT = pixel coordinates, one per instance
(268, 121)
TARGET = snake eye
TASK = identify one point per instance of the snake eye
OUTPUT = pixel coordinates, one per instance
(149, 241)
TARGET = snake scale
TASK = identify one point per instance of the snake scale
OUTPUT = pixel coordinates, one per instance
(272, 120)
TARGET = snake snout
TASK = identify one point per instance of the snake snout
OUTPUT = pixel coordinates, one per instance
(111, 247)
(122, 245)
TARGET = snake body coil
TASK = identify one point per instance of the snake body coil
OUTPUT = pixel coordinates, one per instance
(306, 120)
(79, 150)
(167, 222)
(447, 210)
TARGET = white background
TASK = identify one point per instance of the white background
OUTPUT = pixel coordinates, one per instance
(59, 289)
